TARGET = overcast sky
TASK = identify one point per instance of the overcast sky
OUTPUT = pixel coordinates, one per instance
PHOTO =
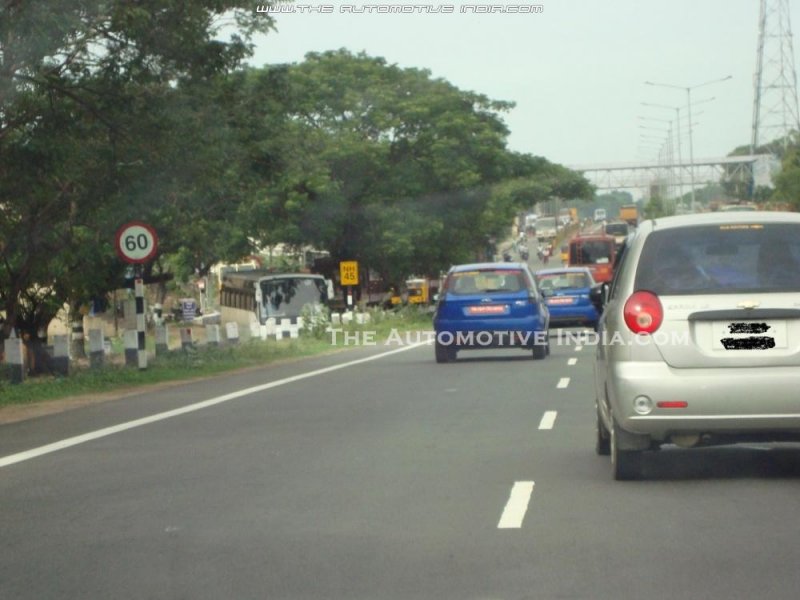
(576, 71)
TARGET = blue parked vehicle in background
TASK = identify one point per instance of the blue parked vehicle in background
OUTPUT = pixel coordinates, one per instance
(490, 305)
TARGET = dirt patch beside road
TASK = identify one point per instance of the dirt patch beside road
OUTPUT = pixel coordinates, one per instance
(21, 412)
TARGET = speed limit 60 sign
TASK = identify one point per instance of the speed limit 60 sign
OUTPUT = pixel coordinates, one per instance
(136, 242)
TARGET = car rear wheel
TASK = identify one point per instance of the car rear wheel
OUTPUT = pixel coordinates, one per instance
(444, 353)
(603, 443)
(540, 351)
(626, 464)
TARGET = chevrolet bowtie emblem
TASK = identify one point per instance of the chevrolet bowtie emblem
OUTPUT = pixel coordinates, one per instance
(748, 304)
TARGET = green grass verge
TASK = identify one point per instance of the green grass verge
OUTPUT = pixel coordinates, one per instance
(204, 361)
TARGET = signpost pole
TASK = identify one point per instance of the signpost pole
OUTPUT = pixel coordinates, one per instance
(348, 279)
(140, 321)
(137, 243)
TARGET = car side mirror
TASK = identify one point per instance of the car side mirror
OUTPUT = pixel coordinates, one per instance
(599, 296)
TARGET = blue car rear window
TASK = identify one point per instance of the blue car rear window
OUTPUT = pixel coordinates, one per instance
(563, 281)
(486, 282)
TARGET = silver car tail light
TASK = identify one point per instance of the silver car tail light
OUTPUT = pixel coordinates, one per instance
(643, 312)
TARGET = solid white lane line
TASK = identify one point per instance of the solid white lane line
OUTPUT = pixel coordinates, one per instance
(100, 433)
(562, 383)
(517, 505)
(578, 348)
(548, 419)
(572, 361)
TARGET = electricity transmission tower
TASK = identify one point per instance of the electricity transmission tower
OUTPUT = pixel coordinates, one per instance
(775, 108)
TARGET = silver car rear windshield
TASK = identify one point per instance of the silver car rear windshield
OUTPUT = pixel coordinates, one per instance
(721, 259)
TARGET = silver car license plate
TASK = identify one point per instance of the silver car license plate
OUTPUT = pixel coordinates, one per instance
(749, 335)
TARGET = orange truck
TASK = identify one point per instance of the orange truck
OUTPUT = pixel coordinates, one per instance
(596, 252)
(630, 214)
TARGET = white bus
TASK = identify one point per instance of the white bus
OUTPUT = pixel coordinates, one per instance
(255, 296)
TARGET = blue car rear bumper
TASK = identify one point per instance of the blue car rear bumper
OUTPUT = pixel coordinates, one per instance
(491, 333)
(565, 316)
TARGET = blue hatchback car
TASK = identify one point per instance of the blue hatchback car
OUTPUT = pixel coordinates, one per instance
(490, 305)
(568, 296)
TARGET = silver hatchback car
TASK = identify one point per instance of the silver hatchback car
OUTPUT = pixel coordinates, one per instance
(700, 336)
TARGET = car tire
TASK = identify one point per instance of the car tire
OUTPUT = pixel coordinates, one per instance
(444, 354)
(626, 464)
(540, 351)
(603, 443)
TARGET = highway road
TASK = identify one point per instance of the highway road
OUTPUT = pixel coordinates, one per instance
(376, 473)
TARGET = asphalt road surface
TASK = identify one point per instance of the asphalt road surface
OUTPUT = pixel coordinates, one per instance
(393, 477)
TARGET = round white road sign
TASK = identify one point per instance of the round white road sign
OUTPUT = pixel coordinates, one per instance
(136, 242)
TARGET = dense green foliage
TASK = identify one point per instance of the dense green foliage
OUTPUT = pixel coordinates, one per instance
(787, 182)
(786, 193)
(105, 115)
(113, 111)
(405, 173)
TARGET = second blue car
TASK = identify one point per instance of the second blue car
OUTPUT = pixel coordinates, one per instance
(568, 296)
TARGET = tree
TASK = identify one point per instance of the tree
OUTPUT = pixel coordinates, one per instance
(388, 166)
(88, 97)
(787, 182)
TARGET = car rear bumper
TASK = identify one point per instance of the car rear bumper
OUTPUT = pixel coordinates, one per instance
(491, 333)
(716, 400)
(562, 316)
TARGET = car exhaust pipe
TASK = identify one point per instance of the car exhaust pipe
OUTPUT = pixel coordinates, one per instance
(685, 440)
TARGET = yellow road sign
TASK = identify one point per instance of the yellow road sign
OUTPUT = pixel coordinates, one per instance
(348, 272)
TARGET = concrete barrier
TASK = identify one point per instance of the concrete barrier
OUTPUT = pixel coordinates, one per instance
(15, 359)
(162, 339)
(96, 348)
(232, 333)
(212, 335)
(61, 354)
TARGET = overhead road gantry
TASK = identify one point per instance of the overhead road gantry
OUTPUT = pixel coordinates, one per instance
(629, 175)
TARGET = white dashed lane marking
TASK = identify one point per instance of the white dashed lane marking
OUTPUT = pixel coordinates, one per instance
(563, 383)
(548, 419)
(517, 505)
(572, 362)
(578, 348)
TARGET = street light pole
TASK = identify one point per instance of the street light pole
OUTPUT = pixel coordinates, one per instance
(691, 148)
(670, 161)
(677, 110)
(689, 109)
